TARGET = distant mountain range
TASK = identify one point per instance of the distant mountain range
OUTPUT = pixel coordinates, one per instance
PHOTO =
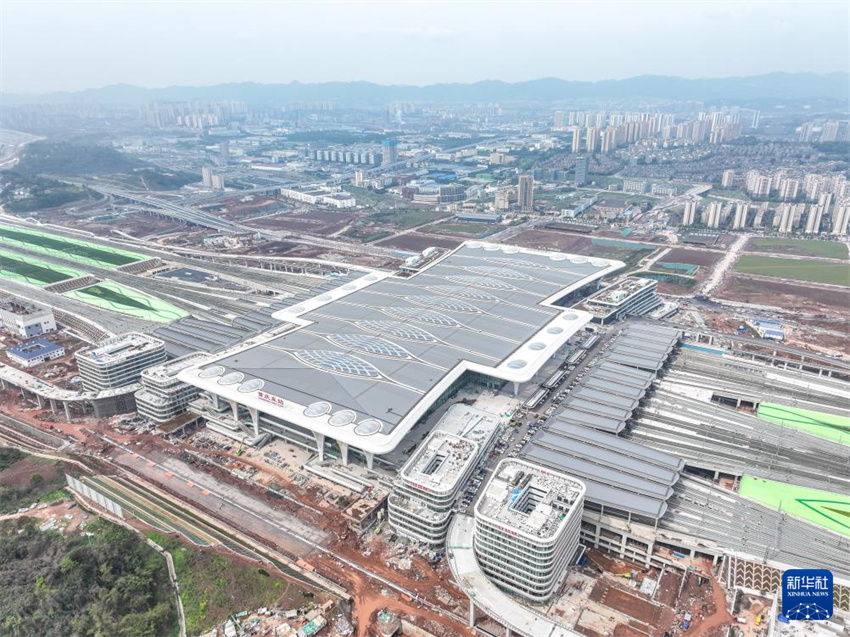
(773, 86)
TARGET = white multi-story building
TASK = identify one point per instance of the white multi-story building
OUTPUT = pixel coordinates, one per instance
(527, 525)
(630, 296)
(428, 484)
(119, 361)
(26, 319)
(163, 396)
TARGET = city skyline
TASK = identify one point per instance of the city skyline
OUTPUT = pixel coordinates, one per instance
(94, 46)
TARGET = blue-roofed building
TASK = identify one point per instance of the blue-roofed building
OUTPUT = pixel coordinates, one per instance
(768, 328)
(34, 352)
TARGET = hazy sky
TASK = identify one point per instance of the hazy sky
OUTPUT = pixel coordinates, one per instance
(68, 45)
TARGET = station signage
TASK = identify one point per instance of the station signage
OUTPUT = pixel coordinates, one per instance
(271, 398)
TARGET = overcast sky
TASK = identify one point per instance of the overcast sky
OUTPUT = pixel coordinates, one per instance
(68, 45)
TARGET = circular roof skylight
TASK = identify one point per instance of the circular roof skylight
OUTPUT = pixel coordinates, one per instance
(211, 372)
(510, 249)
(231, 379)
(558, 257)
(555, 330)
(570, 316)
(324, 297)
(349, 286)
(517, 364)
(599, 263)
(491, 247)
(319, 408)
(473, 244)
(368, 427)
(342, 418)
(578, 259)
(537, 346)
(251, 385)
(371, 277)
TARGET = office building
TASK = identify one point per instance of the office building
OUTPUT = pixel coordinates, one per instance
(207, 176)
(525, 197)
(25, 318)
(527, 525)
(581, 170)
(34, 352)
(689, 217)
(427, 486)
(389, 149)
(163, 396)
(631, 296)
(119, 361)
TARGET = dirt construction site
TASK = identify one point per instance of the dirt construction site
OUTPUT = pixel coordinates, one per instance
(306, 524)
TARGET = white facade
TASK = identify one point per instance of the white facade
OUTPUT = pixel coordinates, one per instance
(163, 396)
(420, 506)
(119, 361)
(527, 526)
(26, 319)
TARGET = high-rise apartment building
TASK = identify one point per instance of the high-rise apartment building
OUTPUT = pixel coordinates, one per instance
(840, 220)
(814, 218)
(740, 220)
(576, 130)
(389, 149)
(525, 196)
(690, 215)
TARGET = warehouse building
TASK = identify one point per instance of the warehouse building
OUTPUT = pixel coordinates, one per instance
(527, 528)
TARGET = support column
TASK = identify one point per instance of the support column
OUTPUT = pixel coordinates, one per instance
(343, 450)
(320, 443)
(370, 459)
(3, 384)
(234, 406)
(96, 409)
(40, 400)
(67, 411)
(516, 388)
(53, 405)
(508, 632)
(255, 419)
(471, 613)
